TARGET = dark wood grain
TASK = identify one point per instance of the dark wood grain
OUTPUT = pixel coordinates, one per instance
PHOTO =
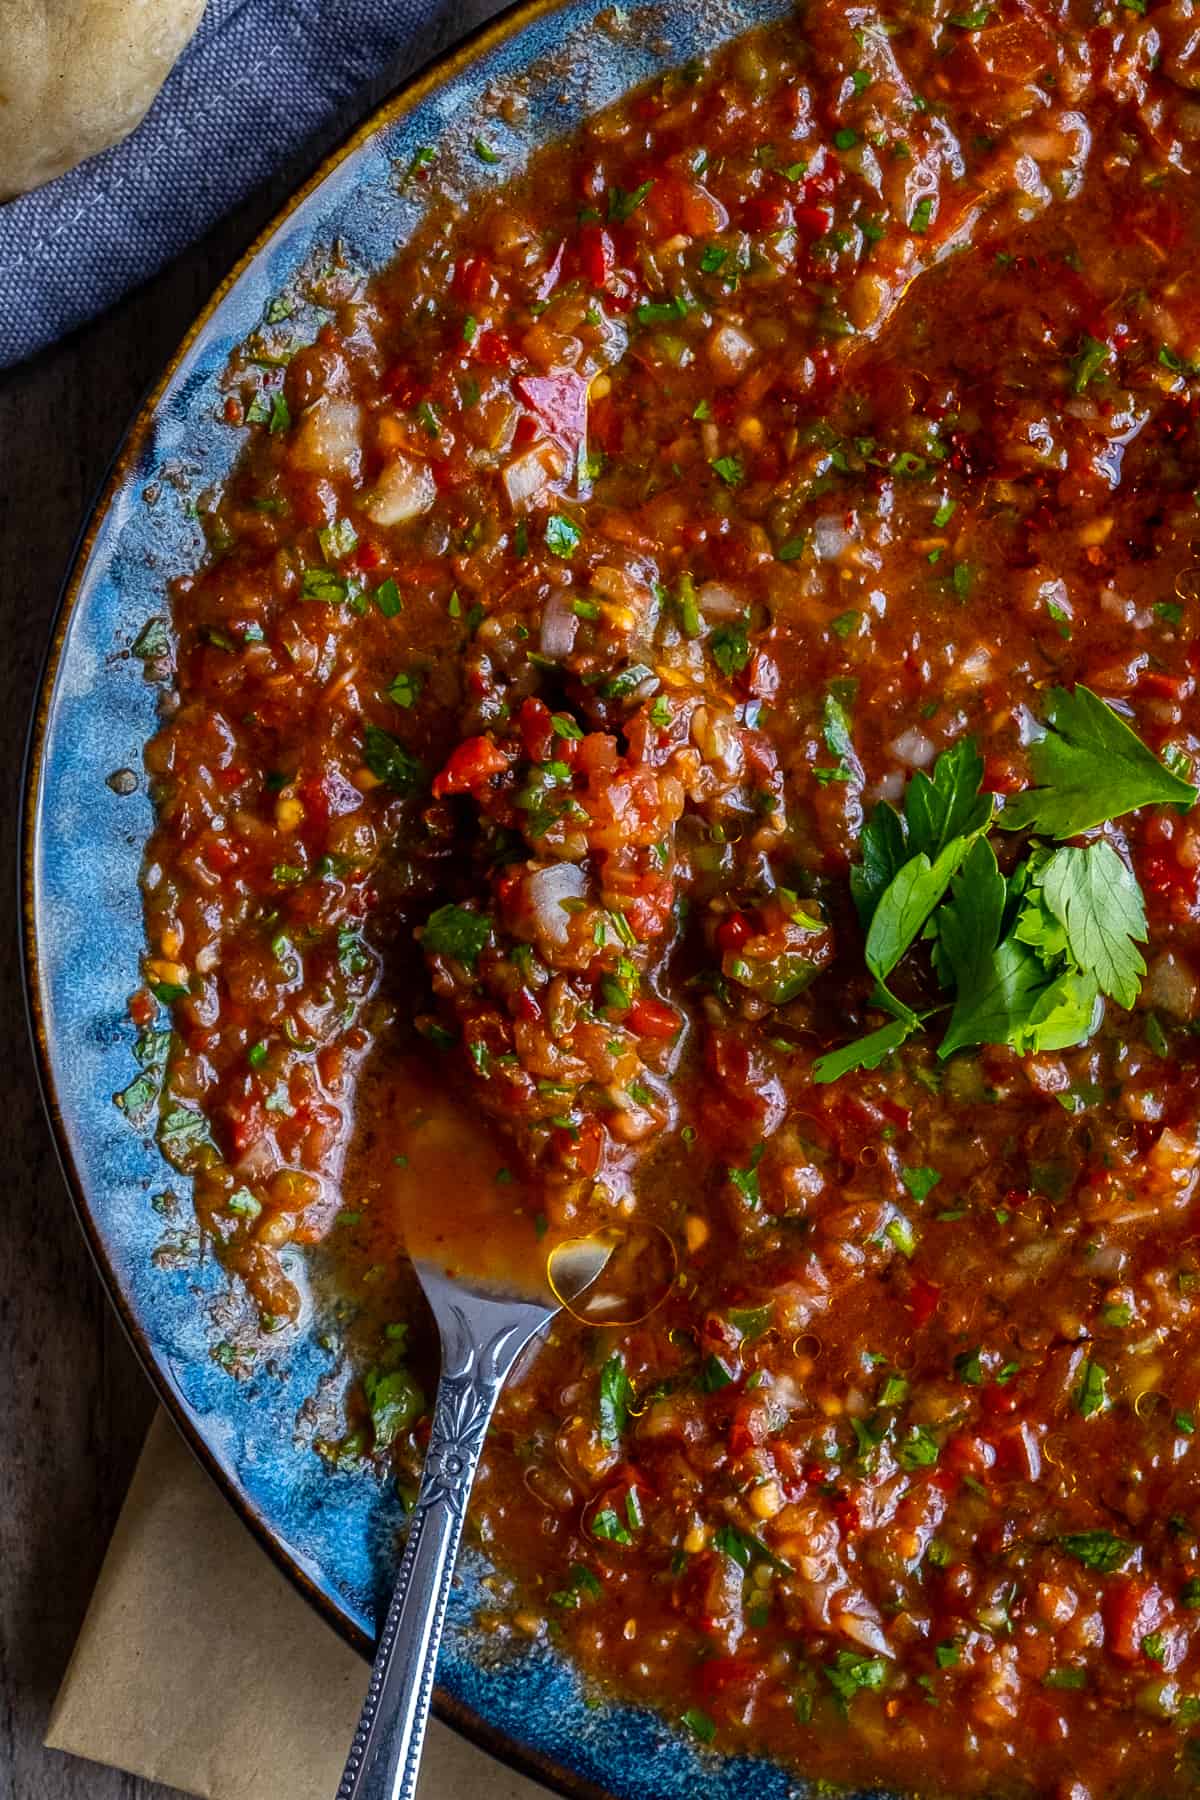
(73, 1404)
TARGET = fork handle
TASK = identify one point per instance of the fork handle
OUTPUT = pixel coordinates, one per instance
(385, 1755)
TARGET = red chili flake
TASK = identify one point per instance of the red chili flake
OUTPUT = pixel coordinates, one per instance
(142, 1007)
(472, 279)
(848, 1516)
(733, 931)
(813, 221)
(923, 1297)
(495, 349)
(368, 555)
(1169, 687)
(597, 257)
(402, 385)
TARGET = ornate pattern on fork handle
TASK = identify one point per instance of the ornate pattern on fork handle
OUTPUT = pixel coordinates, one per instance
(481, 1340)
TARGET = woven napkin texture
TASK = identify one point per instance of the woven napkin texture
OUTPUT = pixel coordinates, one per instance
(259, 78)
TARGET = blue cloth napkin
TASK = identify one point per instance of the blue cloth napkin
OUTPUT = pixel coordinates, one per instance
(257, 80)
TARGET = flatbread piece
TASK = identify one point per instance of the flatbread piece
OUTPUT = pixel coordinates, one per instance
(77, 76)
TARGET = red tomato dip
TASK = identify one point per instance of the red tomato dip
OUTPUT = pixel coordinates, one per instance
(685, 725)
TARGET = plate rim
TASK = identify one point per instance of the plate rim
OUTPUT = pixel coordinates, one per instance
(511, 19)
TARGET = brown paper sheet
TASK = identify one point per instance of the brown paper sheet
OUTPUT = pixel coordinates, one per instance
(199, 1665)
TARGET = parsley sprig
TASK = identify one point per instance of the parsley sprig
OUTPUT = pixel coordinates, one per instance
(1024, 960)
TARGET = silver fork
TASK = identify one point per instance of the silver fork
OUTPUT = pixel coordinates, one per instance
(482, 1334)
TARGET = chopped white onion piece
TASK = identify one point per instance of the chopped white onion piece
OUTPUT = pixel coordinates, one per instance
(716, 601)
(730, 351)
(559, 625)
(404, 491)
(547, 889)
(913, 749)
(830, 537)
(328, 438)
(527, 475)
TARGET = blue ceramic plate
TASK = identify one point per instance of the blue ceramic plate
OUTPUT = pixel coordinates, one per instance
(334, 1533)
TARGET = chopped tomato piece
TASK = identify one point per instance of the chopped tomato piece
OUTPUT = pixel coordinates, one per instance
(472, 762)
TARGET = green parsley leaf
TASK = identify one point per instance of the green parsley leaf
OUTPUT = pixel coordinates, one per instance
(1015, 1004)
(389, 761)
(736, 1545)
(167, 991)
(918, 1450)
(1087, 362)
(453, 931)
(906, 903)
(950, 805)
(183, 1134)
(405, 690)
(865, 1052)
(337, 540)
(623, 205)
(1099, 904)
(715, 1375)
(396, 1403)
(608, 1526)
(699, 1724)
(152, 641)
(730, 646)
(662, 312)
(920, 1182)
(730, 469)
(1100, 1550)
(883, 849)
(353, 959)
(835, 729)
(968, 923)
(582, 1581)
(751, 1321)
(562, 535)
(849, 1673)
(746, 1180)
(1090, 767)
(1091, 1395)
(1065, 1678)
(613, 1405)
(899, 1232)
(387, 598)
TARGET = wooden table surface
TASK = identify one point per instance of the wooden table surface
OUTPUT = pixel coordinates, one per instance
(74, 1405)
